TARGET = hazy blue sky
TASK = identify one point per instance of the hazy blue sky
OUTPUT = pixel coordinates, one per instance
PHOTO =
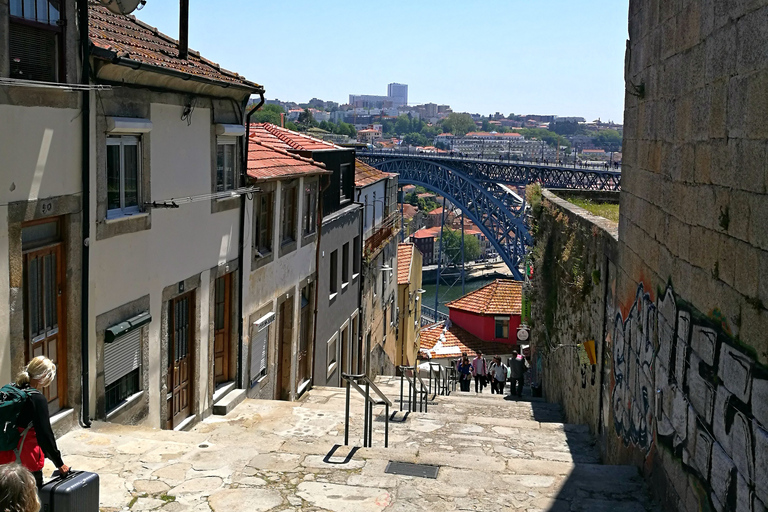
(559, 57)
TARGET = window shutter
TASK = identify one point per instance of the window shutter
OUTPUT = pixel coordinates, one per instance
(122, 356)
(33, 53)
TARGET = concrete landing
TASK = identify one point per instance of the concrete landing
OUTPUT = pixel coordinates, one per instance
(493, 454)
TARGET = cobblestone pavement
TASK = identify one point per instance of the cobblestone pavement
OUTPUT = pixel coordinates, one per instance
(493, 454)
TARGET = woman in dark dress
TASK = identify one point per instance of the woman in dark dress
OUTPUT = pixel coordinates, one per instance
(465, 373)
(39, 441)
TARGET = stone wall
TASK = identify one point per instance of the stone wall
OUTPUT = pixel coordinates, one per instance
(573, 262)
(686, 394)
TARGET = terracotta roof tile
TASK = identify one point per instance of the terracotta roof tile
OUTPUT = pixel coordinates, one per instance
(128, 38)
(366, 175)
(410, 211)
(501, 297)
(404, 262)
(293, 140)
(442, 343)
(268, 162)
(427, 233)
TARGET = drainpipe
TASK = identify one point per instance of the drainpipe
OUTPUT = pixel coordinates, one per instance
(319, 228)
(184, 29)
(240, 249)
(361, 282)
(82, 6)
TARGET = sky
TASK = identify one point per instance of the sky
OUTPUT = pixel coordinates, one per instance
(560, 57)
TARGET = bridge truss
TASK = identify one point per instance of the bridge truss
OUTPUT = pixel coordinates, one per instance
(474, 185)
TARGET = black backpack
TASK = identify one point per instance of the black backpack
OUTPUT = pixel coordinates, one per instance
(12, 401)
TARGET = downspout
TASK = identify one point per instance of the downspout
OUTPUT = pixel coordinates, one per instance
(240, 248)
(319, 222)
(360, 283)
(86, 207)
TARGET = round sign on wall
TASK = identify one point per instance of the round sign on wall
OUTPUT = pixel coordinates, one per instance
(522, 334)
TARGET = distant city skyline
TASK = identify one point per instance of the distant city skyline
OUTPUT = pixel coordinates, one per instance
(547, 57)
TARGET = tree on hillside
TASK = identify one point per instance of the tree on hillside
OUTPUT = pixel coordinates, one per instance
(268, 114)
(458, 124)
(567, 128)
(306, 118)
(607, 139)
(452, 245)
(402, 125)
(415, 139)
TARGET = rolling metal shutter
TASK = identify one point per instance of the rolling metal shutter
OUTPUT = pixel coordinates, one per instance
(33, 52)
(259, 344)
(122, 356)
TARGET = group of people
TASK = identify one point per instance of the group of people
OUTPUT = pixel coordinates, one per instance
(496, 373)
(21, 469)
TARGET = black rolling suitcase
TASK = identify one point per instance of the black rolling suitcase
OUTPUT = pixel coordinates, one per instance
(77, 491)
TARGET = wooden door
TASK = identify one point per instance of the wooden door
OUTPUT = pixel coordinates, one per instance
(180, 361)
(304, 371)
(44, 315)
(221, 332)
(285, 337)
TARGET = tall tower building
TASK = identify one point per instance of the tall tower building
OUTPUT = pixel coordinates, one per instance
(398, 93)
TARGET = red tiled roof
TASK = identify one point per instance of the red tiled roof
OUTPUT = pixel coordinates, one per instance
(293, 140)
(404, 261)
(267, 162)
(501, 297)
(366, 175)
(409, 211)
(427, 232)
(425, 195)
(456, 340)
(130, 39)
(436, 211)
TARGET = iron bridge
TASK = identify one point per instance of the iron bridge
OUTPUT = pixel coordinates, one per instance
(481, 188)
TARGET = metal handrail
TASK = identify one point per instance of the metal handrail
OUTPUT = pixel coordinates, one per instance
(416, 396)
(442, 380)
(355, 381)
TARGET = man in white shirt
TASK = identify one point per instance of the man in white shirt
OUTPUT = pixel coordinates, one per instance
(498, 376)
(479, 371)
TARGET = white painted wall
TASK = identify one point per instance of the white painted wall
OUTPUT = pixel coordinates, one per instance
(39, 152)
(182, 242)
(374, 210)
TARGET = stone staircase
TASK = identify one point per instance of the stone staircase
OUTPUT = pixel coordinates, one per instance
(493, 454)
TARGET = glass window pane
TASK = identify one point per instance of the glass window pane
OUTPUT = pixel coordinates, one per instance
(33, 297)
(16, 8)
(113, 177)
(39, 234)
(131, 175)
(48, 285)
(42, 11)
(230, 165)
(53, 11)
(220, 168)
(29, 9)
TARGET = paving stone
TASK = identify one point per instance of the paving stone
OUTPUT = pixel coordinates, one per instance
(147, 504)
(150, 486)
(344, 498)
(257, 500)
(204, 486)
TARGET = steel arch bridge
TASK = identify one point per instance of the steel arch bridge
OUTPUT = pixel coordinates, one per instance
(474, 186)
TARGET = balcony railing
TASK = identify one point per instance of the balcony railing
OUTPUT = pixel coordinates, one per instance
(381, 235)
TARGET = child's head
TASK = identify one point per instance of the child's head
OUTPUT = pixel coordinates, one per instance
(18, 491)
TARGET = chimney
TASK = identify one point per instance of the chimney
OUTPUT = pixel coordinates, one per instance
(184, 29)
(282, 119)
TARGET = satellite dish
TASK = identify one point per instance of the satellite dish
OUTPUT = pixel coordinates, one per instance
(123, 6)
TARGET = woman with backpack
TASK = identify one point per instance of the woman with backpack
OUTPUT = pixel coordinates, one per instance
(33, 422)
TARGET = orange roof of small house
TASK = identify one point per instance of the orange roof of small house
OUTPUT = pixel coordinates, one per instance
(118, 37)
(441, 342)
(501, 297)
(409, 211)
(427, 232)
(404, 262)
(266, 162)
(366, 175)
(289, 139)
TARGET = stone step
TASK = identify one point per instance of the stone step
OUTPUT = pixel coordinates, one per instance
(229, 402)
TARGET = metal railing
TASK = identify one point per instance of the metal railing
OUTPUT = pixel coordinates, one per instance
(432, 316)
(418, 392)
(356, 381)
(441, 377)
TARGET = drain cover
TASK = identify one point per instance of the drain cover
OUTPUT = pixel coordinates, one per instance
(408, 469)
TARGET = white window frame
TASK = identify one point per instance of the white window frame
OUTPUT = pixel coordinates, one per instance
(121, 140)
(333, 362)
(223, 141)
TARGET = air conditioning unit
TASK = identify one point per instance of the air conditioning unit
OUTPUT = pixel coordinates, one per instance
(122, 6)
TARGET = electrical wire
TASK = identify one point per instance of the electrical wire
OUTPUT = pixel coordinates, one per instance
(14, 82)
(174, 202)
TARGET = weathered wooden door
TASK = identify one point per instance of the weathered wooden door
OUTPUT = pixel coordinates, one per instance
(180, 360)
(221, 329)
(285, 338)
(44, 306)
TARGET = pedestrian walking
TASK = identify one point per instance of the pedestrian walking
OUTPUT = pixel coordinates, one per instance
(498, 376)
(465, 373)
(18, 492)
(518, 367)
(479, 371)
(36, 441)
